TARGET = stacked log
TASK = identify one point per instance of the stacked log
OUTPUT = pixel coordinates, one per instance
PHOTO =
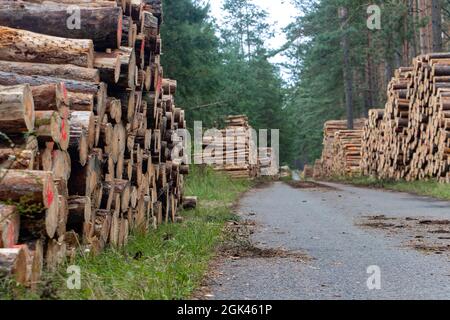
(308, 171)
(318, 169)
(267, 162)
(89, 148)
(372, 140)
(347, 148)
(232, 150)
(328, 152)
(409, 138)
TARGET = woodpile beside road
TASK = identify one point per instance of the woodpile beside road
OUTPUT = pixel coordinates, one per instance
(347, 152)
(414, 140)
(267, 162)
(408, 139)
(308, 172)
(89, 149)
(232, 150)
(337, 145)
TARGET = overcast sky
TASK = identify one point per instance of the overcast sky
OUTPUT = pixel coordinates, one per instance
(281, 13)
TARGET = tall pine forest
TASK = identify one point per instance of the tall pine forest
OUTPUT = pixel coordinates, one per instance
(333, 60)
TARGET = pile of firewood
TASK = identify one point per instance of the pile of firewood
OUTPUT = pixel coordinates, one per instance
(232, 150)
(88, 143)
(329, 165)
(409, 139)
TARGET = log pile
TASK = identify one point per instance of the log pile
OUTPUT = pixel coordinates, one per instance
(89, 149)
(267, 162)
(409, 139)
(371, 142)
(347, 152)
(232, 150)
(318, 169)
(327, 162)
(308, 172)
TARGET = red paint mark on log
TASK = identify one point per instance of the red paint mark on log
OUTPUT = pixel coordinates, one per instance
(63, 86)
(50, 196)
(63, 131)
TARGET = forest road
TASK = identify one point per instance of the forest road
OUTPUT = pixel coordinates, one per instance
(346, 235)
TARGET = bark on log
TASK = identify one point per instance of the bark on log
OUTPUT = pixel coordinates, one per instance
(63, 71)
(51, 127)
(81, 101)
(9, 226)
(51, 97)
(26, 46)
(108, 65)
(17, 158)
(189, 202)
(32, 187)
(13, 262)
(102, 25)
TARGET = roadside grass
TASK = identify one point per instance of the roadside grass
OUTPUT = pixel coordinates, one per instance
(429, 188)
(167, 263)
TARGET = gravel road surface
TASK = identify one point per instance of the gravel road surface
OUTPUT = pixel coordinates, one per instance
(325, 224)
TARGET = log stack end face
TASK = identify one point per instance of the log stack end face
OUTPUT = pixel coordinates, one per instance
(88, 116)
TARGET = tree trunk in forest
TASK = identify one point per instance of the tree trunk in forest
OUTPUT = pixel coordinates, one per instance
(343, 15)
(368, 101)
(436, 20)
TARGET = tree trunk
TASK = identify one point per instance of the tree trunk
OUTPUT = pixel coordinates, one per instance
(13, 262)
(17, 158)
(109, 66)
(52, 96)
(189, 202)
(102, 25)
(36, 263)
(82, 135)
(81, 101)
(26, 46)
(51, 127)
(63, 71)
(9, 226)
(32, 187)
(436, 20)
(343, 14)
(16, 109)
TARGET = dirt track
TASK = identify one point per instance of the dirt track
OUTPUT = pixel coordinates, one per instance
(323, 239)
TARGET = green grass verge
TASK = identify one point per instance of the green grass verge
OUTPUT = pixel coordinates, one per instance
(429, 188)
(168, 263)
